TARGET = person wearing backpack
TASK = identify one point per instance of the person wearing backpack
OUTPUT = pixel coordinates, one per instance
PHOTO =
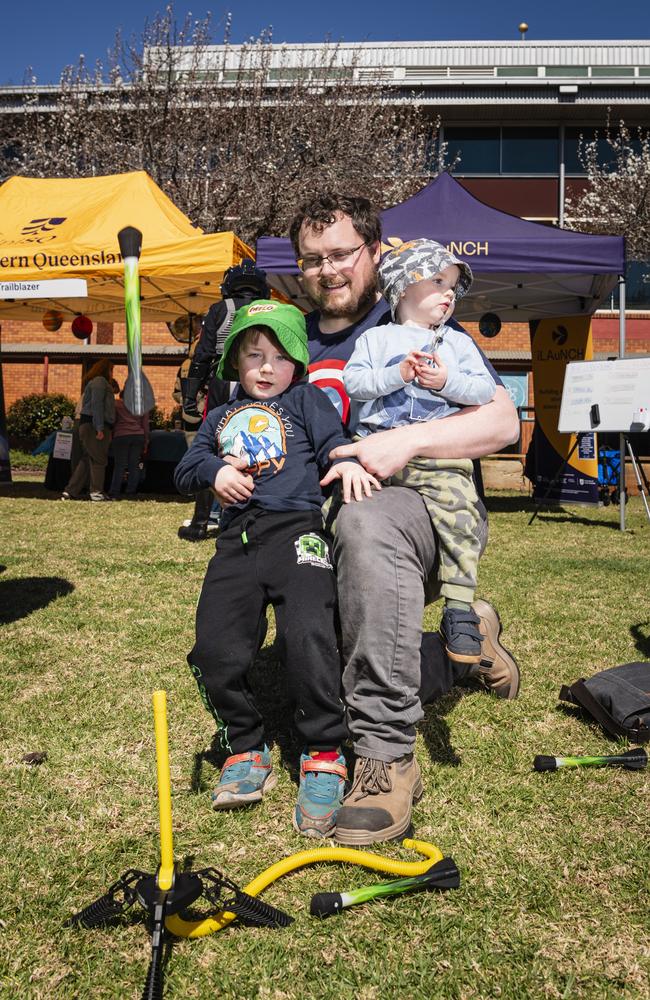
(241, 285)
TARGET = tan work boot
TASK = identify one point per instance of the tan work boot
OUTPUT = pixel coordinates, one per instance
(378, 806)
(498, 671)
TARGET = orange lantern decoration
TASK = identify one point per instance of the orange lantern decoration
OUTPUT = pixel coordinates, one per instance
(52, 320)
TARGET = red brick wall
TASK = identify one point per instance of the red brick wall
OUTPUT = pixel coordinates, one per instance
(15, 331)
(21, 378)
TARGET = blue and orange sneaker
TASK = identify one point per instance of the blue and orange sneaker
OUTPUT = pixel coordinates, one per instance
(244, 779)
(320, 795)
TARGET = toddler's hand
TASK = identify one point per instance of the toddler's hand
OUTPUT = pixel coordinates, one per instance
(232, 486)
(432, 378)
(408, 368)
(354, 480)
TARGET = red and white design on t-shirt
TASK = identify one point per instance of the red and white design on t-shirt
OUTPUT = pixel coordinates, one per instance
(328, 376)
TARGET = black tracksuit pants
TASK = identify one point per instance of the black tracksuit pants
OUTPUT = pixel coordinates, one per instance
(281, 559)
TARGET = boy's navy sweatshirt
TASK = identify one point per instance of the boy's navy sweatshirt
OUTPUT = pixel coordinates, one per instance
(285, 440)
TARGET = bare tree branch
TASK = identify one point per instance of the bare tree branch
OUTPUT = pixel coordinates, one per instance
(236, 136)
(617, 199)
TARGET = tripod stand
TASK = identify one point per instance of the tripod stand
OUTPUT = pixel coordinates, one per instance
(640, 475)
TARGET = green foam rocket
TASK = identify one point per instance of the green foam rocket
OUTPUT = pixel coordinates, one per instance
(138, 393)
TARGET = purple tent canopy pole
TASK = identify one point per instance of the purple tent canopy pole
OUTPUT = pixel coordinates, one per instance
(622, 496)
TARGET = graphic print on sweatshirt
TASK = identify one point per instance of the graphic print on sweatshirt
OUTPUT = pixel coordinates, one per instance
(257, 434)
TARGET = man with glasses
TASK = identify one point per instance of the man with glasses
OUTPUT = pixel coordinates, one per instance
(385, 548)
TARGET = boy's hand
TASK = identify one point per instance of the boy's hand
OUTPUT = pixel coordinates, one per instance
(432, 378)
(354, 480)
(409, 366)
(232, 486)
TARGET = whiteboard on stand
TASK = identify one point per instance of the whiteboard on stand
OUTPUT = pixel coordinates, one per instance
(606, 396)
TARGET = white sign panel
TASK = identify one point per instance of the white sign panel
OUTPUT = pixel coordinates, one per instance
(606, 396)
(56, 288)
(62, 445)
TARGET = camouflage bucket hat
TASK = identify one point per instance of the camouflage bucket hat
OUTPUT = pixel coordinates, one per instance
(415, 261)
(285, 321)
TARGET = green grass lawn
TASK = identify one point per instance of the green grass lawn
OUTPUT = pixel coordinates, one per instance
(99, 600)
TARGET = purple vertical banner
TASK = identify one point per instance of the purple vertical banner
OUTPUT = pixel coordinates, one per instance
(554, 343)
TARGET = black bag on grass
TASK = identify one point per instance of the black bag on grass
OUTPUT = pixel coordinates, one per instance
(618, 698)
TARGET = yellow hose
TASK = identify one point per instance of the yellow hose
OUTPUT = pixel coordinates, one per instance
(345, 855)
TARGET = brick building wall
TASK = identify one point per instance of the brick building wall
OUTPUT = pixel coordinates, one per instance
(22, 377)
(62, 375)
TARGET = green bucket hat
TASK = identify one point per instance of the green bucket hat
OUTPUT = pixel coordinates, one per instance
(285, 321)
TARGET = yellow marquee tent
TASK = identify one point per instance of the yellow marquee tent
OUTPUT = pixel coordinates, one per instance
(67, 228)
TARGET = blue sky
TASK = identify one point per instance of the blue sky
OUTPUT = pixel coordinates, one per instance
(49, 35)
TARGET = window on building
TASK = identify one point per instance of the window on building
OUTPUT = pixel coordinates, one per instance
(568, 71)
(612, 71)
(529, 151)
(503, 150)
(516, 70)
(573, 142)
(477, 150)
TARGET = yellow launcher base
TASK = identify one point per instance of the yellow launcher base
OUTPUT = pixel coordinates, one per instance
(345, 855)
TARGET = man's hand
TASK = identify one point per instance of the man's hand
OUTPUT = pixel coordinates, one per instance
(430, 377)
(231, 485)
(382, 454)
(99, 435)
(354, 479)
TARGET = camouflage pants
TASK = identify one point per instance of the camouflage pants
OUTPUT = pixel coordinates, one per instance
(447, 488)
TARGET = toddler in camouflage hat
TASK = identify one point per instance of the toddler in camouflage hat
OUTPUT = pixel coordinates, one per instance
(419, 368)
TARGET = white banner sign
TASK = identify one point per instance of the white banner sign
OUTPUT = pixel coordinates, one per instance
(56, 288)
(62, 445)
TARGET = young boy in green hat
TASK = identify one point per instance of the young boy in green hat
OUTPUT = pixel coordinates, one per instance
(264, 453)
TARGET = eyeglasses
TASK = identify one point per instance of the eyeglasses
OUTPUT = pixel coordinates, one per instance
(336, 259)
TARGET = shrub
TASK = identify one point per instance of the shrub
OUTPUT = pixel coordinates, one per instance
(157, 419)
(32, 418)
(25, 460)
(159, 422)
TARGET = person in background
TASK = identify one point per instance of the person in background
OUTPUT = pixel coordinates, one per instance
(96, 419)
(130, 443)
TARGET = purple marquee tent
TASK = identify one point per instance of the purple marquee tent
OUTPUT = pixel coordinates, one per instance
(523, 270)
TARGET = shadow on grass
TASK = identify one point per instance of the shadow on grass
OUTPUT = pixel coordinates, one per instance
(268, 680)
(508, 505)
(641, 639)
(36, 491)
(436, 733)
(18, 598)
(566, 517)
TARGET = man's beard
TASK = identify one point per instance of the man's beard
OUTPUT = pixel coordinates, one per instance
(353, 306)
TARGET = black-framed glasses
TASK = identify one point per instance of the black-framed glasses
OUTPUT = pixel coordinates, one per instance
(337, 259)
